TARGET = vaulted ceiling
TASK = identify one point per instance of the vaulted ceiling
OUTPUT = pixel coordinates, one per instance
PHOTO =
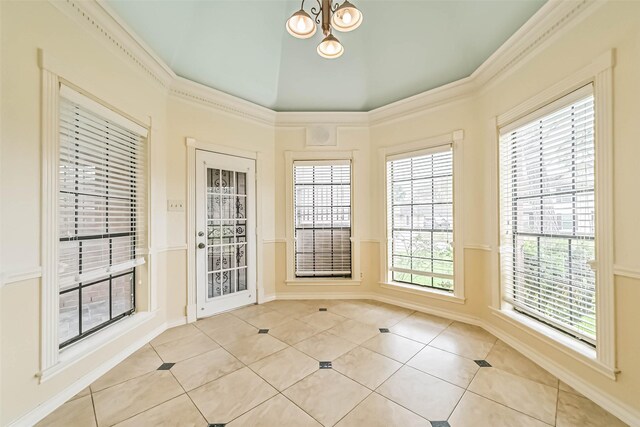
(403, 47)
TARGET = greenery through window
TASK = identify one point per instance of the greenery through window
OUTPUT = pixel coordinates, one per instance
(548, 216)
(420, 218)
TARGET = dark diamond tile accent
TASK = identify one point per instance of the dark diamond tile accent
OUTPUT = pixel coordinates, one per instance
(166, 366)
(440, 424)
(384, 330)
(323, 309)
(325, 365)
(483, 363)
(217, 425)
(263, 331)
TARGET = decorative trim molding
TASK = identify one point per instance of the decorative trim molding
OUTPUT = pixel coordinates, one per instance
(18, 276)
(632, 273)
(307, 118)
(478, 247)
(455, 139)
(41, 411)
(274, 241)
(621, 410)
(182, 247)
(598, 73)
(96, 17)
(426, 292)
(553, 19)
(49, 223)
(188, 90)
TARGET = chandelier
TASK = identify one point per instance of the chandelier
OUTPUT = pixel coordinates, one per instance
(345, 17)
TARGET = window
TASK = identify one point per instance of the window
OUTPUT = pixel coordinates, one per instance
(548, 219)
(322, 218)
(420, 218)
(101, 211)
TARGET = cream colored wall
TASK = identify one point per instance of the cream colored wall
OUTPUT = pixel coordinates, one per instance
(220, 131)
(98, 67)
(109, 77)
(616, 25)
(293, 139)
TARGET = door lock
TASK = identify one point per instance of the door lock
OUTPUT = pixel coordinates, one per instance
(200, 233)
(201, 245)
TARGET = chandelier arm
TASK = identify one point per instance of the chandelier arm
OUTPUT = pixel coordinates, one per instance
(317, 12)
(334, 7)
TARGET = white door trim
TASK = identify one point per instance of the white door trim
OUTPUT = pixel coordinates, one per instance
(209, 305)
(193, 145)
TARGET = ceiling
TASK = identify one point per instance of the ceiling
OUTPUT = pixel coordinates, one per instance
(403, 47)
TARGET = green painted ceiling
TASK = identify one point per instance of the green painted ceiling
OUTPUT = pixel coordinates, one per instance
(403, 47)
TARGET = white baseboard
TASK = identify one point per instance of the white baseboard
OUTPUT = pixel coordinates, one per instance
(307, 295)
(453, 315)
(621, 410)
(176, 322)
(267, 298)
(41, 411)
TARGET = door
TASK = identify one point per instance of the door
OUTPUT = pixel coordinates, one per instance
(225, 232)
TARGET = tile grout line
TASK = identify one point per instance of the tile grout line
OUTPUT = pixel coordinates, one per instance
(93, 405)
(357, 345)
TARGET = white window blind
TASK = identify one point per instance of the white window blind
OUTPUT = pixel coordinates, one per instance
(420, 218)
(548, 214)
(322, 203)
(101, 215)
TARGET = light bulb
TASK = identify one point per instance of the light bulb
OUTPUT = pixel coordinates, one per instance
(346, 18)
(300, 25)
(330, 47)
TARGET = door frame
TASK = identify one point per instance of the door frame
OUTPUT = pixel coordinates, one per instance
(193, 145)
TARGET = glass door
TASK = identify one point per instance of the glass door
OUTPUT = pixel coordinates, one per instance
(225, 227)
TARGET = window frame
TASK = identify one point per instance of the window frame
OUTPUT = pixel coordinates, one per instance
(298, 228)
(290, 158)
(551, 108)
(455, 140)
(53, 360)
(601, 358)
(129, 266)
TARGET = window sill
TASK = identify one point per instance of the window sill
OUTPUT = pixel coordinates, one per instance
(70, 356)
(582, 352)
(425, 292)
(323, 282)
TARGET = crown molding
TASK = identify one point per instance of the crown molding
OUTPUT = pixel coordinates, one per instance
(189, 90)
(339, 118)
(553, 19)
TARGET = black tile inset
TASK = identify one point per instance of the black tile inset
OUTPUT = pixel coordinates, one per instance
(483, 363)
(440, 424)
(165, 366)
(263, 331)
(217, 425)
(384, 330)
(323, 309)
(325, 365)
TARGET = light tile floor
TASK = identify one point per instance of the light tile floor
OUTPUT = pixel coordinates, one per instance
(422, 372)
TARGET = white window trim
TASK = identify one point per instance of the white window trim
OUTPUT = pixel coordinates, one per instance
(603, 358)
(54, 361)
(290, 158)
(456, 139)
(193, 144)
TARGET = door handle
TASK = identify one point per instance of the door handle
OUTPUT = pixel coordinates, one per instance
(201, 245)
